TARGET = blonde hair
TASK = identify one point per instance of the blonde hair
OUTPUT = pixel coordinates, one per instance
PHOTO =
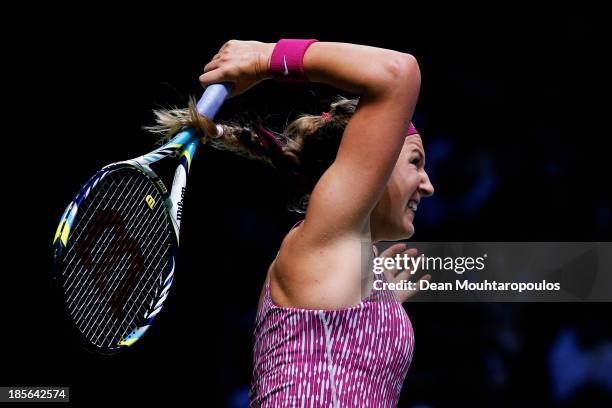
(309, 144)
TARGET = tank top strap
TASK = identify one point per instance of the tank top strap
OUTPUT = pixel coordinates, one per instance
(294, 225)
(297, 223)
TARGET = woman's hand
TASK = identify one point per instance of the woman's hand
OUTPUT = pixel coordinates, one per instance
(244, 63)
(395, 275)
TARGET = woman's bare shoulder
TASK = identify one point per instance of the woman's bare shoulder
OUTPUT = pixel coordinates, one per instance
(316, 274)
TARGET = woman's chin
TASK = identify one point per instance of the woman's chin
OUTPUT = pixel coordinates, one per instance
(407, 225)
(397, 229)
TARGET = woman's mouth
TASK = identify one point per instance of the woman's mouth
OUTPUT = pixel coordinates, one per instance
(413, 205)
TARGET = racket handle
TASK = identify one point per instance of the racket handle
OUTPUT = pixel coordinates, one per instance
(213, 98)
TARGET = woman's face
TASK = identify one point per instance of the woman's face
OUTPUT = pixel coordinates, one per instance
(393, 216)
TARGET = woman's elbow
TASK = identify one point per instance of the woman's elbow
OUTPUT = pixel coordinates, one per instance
(402, 71)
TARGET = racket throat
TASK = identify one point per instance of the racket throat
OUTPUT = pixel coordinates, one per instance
(177, 194)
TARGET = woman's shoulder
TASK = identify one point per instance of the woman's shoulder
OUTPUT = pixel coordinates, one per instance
(304, 273)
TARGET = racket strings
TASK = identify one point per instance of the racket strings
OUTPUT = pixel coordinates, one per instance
(100, 287)
(136, 298)
(118, 252)
(116, 257)
(115, 262)
(101, 227)
(129, 302)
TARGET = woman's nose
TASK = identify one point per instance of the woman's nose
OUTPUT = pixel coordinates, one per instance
(427, 189)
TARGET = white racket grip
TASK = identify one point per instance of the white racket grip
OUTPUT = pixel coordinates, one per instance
(213, 98)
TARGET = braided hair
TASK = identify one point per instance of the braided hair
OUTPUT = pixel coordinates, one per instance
(301, 153)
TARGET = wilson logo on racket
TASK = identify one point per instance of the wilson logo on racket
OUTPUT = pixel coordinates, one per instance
(179, 205)
(150, 201)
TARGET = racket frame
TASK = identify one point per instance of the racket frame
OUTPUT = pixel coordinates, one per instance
(183, 146)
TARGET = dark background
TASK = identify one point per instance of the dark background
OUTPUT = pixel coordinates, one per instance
(511, 115)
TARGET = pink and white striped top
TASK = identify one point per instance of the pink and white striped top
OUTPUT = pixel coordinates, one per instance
(353, 357)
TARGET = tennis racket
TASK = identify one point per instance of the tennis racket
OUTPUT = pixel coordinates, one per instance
(116, 244)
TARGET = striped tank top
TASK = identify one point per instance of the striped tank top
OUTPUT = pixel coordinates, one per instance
(352, 357)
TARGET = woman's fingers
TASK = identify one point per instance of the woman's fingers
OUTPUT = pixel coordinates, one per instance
(212, 65)
(412, 267)
(214, 77)
(390, 253)
(393, 250)
(405, 270)
(404, 265)
(244, 63)
(404, 295)
(412, 252)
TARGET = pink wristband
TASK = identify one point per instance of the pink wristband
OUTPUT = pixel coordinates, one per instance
(287, 61)
(411, 130)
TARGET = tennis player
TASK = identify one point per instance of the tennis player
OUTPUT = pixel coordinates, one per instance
(323, 336)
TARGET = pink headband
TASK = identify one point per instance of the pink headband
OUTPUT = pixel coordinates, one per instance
(411, 129)
(274, 146)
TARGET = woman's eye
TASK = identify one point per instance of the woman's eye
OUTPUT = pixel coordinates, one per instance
(415, 161)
